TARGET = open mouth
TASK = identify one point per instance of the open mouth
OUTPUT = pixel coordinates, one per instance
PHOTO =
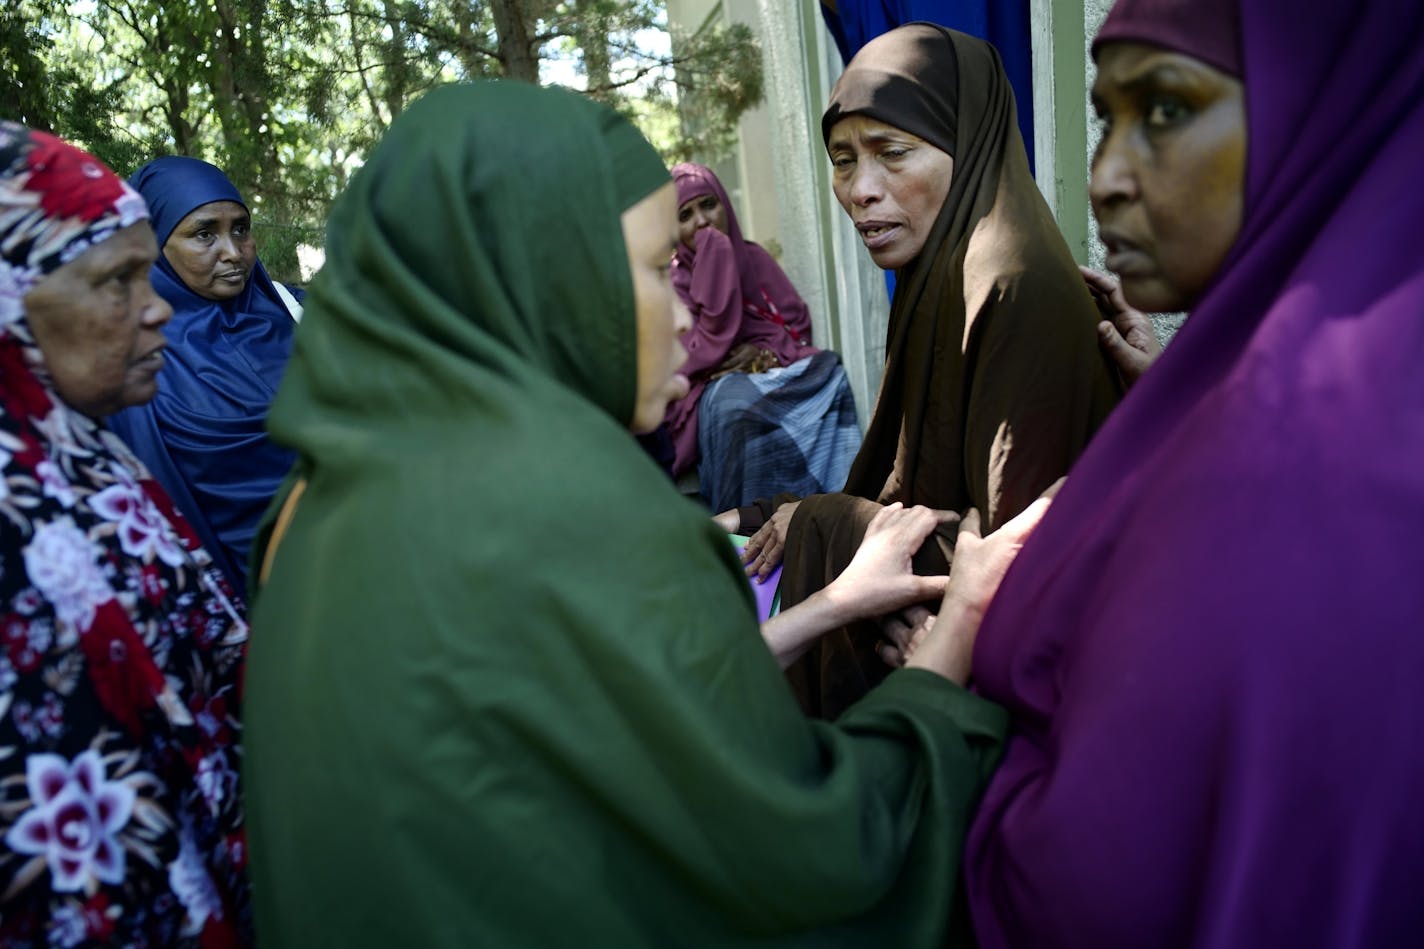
(877, 234)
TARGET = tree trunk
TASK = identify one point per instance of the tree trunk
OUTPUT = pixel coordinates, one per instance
(514, 46)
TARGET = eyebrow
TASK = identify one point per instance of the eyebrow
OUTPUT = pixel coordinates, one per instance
(214, 221)
(874, 138)
(1156, 74)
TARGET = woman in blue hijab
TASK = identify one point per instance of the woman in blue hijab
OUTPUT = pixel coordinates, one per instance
(203, 436)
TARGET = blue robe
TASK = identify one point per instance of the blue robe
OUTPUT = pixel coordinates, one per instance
(204, 436)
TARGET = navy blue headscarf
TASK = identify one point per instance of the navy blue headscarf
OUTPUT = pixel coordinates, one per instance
(203, 436)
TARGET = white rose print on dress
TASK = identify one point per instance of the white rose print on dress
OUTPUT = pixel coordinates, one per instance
(74, 821)
(143, 533)
(63, 564)
(55, 484)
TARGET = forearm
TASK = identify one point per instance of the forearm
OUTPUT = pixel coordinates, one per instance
(789, 634)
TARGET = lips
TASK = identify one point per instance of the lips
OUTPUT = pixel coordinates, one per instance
(877, 234)
(153, 359)
(1125, 257)
(233, 276)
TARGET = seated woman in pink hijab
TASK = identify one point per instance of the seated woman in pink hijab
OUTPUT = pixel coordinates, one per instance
(767, 412)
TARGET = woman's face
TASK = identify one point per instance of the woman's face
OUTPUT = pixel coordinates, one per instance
(650, 233)
(891, 183)
(1169, 176)
(212, 250)
(699, 212)
(98, 322)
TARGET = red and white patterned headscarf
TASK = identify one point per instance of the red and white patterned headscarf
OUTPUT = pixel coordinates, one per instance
(121, 646)
(56, 202)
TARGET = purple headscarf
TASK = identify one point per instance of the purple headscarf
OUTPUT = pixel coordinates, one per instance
(737, 293)
(1212, 647)
(1203, 29)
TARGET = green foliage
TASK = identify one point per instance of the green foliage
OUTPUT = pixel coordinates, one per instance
(287, 96)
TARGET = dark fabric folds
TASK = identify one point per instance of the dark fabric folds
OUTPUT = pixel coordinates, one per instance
(508, 687)
(1211, 645)
(994, 381)
(203, 436)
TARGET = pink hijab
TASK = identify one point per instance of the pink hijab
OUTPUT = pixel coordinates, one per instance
(737, 294)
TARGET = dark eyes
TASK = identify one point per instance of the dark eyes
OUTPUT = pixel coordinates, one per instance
(1158, 112)
(684, 216)
(1165, 110)
(889, 153)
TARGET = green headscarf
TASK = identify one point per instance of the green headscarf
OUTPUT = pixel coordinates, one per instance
(506, 687)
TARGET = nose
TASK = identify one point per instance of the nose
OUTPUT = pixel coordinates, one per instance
(866, 186)
(1114, 177)
(701, 219)
(227, 248)
(156, 310)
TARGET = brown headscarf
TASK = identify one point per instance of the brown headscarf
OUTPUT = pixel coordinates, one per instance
(994, 381)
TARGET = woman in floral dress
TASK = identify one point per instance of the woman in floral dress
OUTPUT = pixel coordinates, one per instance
(121, 646)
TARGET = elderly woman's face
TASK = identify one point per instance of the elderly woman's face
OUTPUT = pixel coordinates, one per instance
(212, 250)
(891, 183)
(98, 322)
(1169, 176)
(650, 234)
(696, 213)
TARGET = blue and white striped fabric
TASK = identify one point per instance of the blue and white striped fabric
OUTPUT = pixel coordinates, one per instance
(790, 429)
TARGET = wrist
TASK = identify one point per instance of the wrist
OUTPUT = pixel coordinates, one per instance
(948, 650)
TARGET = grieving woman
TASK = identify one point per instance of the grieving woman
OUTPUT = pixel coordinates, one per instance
(1212, 646)
(509, 688)
(202, 436)
(993, 380)
(123, 643)
(766, 412)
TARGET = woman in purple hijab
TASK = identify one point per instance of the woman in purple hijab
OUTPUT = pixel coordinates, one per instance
(1213, 646)
(767, 411)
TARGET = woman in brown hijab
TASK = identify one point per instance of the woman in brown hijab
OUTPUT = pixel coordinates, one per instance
(994, 380)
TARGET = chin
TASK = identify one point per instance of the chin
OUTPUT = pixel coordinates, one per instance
(1153, 296)
(138, 393)
(890, 258)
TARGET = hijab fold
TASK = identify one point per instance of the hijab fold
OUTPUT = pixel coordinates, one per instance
(1210, 645)
(203, 435)
(737, 294)
(122, 643)
(577, 709)
(993, 379)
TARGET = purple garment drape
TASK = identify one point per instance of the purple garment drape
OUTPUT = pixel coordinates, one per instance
(1213, 646)
(737, 293)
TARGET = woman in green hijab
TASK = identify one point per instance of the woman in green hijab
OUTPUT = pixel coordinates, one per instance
(488, 706)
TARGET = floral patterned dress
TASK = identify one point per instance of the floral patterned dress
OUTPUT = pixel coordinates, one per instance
(121, 652)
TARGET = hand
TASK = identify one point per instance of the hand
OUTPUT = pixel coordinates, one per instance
(729, 520)
(879, 579)
(881, 576)
(903, 631)
(1126, 334)
(762, 554)
(979, 566)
